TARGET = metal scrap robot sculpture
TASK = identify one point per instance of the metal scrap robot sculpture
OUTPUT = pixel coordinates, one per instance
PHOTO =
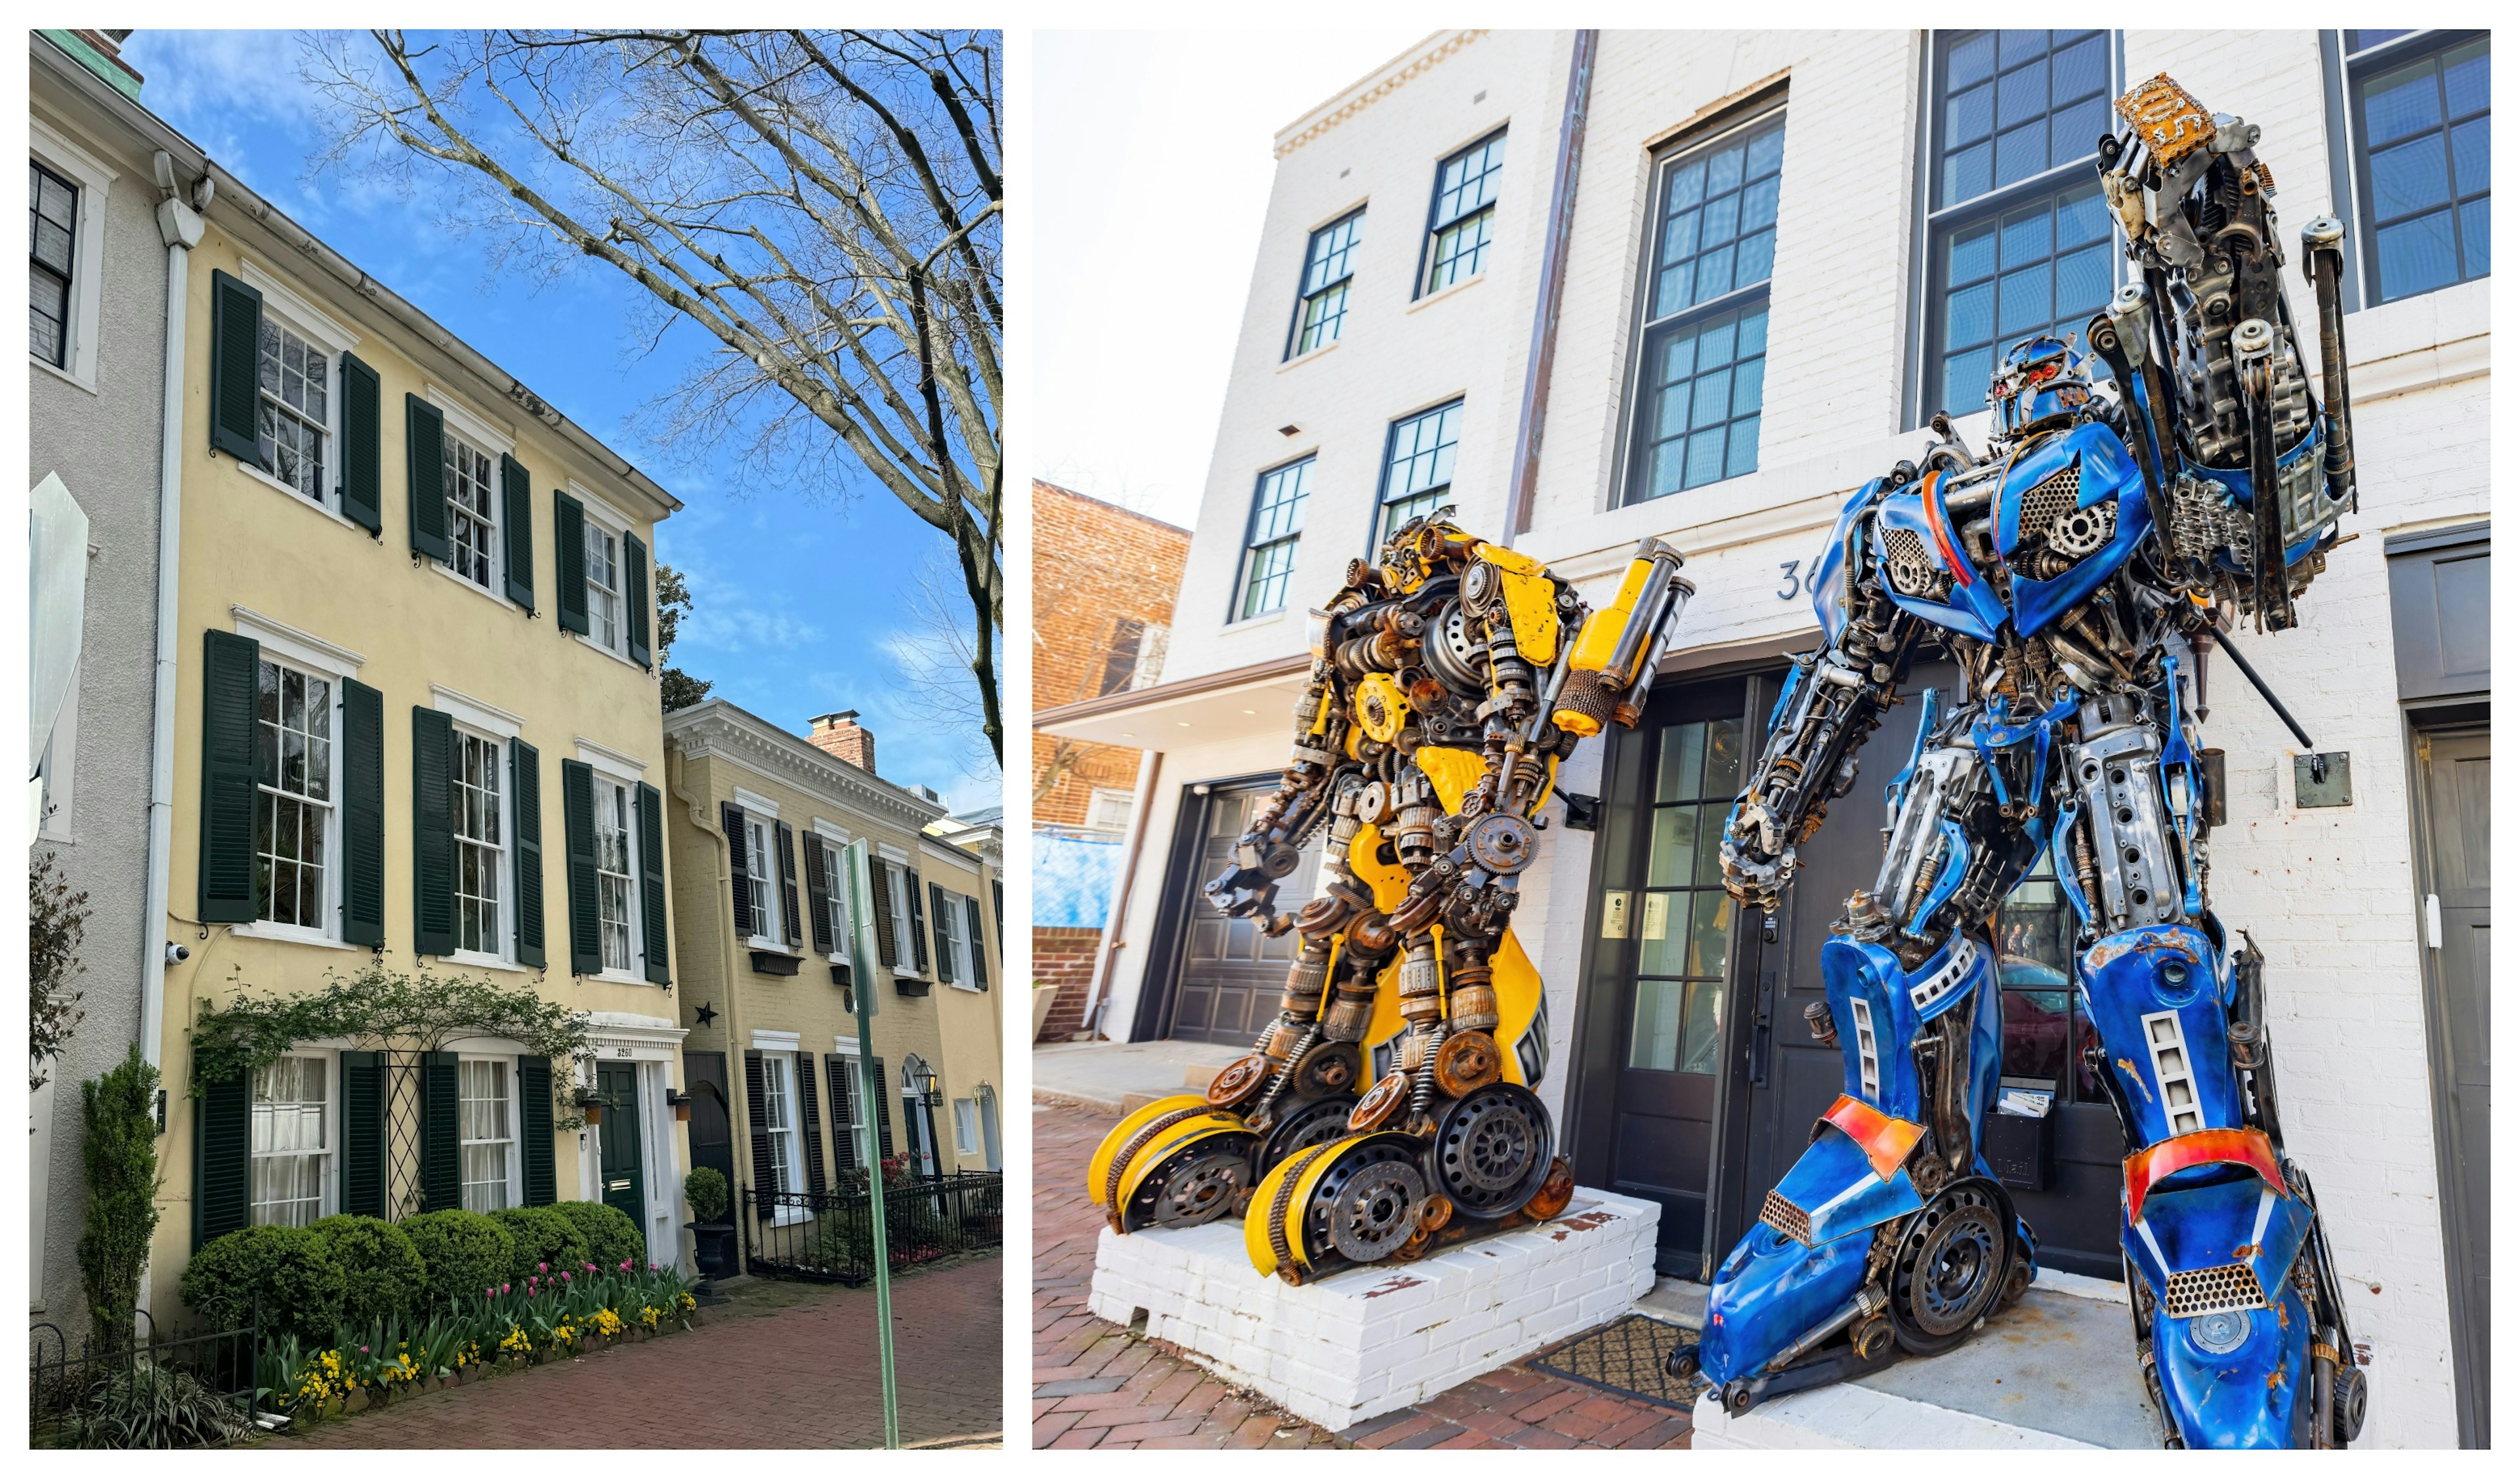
(2076, 574)
(1450, 677)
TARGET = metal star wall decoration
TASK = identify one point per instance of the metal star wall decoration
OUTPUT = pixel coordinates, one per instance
(705, 1015)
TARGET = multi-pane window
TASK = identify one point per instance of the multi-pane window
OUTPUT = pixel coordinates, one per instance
(1687, 916)
(1276, 528)
(959, 945)
(295, 383)
(836, 896)
(778, 1119)
(292, 832)
(2018, 237)
(758, 879)
(966, 1127)
(1704, 361)
(487, 1132)
(1418, 471)
(1120, 660)
(472, 524)
(612, 873)
(2422, 159)
(290, 1153)
(53, 230)
(1329, 266)
(602, 585)
(905, 955)
(481, 843)
(1464, 214)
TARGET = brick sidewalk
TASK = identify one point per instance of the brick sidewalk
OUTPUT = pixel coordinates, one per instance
(781, 1366)
(1096, 1386)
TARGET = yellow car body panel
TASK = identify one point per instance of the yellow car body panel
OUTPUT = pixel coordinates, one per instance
(1097, 1171)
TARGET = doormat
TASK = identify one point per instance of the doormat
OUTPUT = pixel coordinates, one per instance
(1625, 1357)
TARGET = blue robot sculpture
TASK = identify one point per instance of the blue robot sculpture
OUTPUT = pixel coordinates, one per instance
(2077, 575)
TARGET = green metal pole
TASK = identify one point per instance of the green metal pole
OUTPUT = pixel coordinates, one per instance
(862, 978)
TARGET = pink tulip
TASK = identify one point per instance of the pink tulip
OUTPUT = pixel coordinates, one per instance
(590, 1268)
(487, 1293)
(503, 1288)
(563, 1277)
(363, 1350)
(542, 1268)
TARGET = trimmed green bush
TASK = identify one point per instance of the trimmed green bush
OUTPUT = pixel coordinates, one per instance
(291, 1270)
(544, 1238)
(120, 1150)
(465, 1253)
(705, 1189)
(610, 1235)
(384, 1276)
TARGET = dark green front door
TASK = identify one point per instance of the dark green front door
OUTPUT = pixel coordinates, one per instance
(624, 1181)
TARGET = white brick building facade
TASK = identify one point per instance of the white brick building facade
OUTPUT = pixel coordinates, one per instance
(2328, 894)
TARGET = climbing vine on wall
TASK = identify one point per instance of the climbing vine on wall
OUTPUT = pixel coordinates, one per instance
(380, 1007)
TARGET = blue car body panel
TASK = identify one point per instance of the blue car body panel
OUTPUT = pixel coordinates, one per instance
(2109, 473)
(2137, 974)
(1834, 1185)
(2224, 1399)
(1769, 1291)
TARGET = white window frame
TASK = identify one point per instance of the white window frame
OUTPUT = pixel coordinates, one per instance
(967, 1128)
(761, 876)
(493, 441)
(94, 180)
(601, 514)
(515, 1128)
(614, 768)
(958, 933)
(779, 1088)
(503, 868)
(836, 882)
(326, 1176)
(287, 309)
(331, 861)
(1126, 801)
(289, 646)
(905, 952)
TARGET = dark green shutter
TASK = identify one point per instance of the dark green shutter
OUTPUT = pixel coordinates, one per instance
(844, 1129)
(423, 446)
(569, 562)
(534, 1129)
(432, 832)
(818, 897)
(441, 1134)
(651, 882)
(634, 590)
(236, 363)
(941, 910)
(231, 669)
(363, 1133)
(787, 840)
(363, 477)
(222, 1158)
(585, 921)
(809, 1123)
(764, 1182)
(527, 762)
(885, 949)
(883, 1096)
(979, 951)
(363, 814)
(740, 866)
(516, 507)
(917, 923)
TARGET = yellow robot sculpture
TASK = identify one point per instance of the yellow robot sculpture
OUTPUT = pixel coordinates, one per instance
(1450, 677)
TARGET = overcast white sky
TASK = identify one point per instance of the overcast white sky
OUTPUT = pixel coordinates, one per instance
(1152, 167)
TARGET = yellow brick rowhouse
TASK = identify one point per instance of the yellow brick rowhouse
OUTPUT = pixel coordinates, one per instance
(416, 724)
(757, 820)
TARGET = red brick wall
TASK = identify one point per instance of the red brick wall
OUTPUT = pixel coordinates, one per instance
(1093, 564)
(1064, 958)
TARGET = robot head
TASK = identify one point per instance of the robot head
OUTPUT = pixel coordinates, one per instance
(2039, 384)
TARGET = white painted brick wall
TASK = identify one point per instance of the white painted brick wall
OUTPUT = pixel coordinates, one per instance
(2327, 893)
(1342, 1349)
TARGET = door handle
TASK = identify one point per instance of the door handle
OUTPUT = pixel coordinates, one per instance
(2432, 920)
(622, 1185)
(1759, 1030)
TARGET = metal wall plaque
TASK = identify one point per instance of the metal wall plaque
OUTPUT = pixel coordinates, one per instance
(2323, 779)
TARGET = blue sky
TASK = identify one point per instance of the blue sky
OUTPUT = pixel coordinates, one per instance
(800, 604)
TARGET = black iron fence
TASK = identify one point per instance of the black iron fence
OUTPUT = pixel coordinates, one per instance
(830, 1236)
(150, 1391)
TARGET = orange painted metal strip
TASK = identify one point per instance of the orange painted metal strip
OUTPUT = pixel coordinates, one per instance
(1886, 1139)
(1940, 523)
(2240, 1145)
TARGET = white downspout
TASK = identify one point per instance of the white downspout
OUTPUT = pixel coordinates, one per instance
(180, 226)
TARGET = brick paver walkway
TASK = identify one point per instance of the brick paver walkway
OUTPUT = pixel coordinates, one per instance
(780, 1365)
(1097, 1386)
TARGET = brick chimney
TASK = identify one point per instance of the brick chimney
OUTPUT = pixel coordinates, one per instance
(842, 734)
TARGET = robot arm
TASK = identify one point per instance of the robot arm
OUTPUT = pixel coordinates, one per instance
(1833, 698)
(1272, 847)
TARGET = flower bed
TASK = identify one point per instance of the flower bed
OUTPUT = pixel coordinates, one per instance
(551, 1316)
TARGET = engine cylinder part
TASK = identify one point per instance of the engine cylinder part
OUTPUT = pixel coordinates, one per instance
(1239, 1081)
(1388, 1094)
(1468, 1060)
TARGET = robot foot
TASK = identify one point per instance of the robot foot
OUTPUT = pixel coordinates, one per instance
(1175, 1163)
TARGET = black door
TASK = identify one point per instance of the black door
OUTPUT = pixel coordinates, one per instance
(712, 1130)
(624, 1177)
(1229, 975)
(2454, 776)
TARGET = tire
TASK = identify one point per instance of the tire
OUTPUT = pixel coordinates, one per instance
(1953, 1259)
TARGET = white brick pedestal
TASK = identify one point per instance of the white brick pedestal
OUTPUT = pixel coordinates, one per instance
(1366, 1342)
